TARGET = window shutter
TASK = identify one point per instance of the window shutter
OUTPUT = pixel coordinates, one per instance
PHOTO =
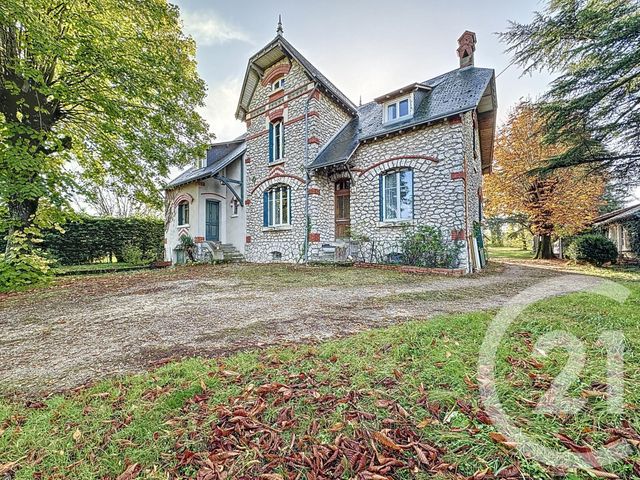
(270, 142)
(265, 209)
(282, 139)
(380, 197)
(289, 203)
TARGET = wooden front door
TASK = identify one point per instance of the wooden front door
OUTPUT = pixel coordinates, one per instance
(343, 209)
(212, 221)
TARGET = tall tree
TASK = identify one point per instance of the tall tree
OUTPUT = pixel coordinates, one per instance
(558, 202)
(594, 45)
(90, 89)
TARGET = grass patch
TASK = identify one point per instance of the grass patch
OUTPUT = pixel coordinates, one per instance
(403, 399)
(613, 272)
(509, 252)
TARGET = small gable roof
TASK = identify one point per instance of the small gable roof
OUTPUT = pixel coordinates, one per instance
(273, 52)
(452, 93)
(219, 156)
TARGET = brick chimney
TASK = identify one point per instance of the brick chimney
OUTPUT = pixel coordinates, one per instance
(466, 47)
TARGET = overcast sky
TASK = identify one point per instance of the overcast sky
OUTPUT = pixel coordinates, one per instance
(366, 48)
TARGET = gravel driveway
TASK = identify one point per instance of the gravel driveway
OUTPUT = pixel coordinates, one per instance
(84, 329)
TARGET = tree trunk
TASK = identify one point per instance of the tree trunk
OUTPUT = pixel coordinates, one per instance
(544, 249)
(21, 214)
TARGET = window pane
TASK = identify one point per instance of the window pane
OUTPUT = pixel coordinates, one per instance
(277, 141)
(390, 197)
(278, 194)
(391, 112)
(285, 205)
(406, 194)
(404, 108)
(270, 211)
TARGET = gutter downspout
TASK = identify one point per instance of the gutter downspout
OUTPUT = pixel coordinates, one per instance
(307, 178)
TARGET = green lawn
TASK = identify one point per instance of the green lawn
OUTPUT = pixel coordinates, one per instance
(401, 402)
(509, 252)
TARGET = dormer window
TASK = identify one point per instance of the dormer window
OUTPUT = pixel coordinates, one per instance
(278, 84)
(398, 109)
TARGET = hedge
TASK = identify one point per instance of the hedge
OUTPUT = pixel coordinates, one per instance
(91, 239)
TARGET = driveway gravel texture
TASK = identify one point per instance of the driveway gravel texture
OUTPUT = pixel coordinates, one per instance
(83, 329)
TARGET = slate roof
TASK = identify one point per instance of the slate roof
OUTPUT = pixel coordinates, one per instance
(451, 93)
(339, 149)
(618, 215)
(314, 72)
(215, 163)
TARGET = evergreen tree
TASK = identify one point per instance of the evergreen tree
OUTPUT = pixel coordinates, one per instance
(594, 46)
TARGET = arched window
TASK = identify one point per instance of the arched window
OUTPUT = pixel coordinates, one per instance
(183, 213)
(396, 195)
(277, 206)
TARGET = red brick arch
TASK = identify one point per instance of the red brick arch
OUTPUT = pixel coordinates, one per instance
(183, 197)
(410, 161)
(275, 73)
(275, 179)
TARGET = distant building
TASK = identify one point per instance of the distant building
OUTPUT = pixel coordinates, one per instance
(616, 226)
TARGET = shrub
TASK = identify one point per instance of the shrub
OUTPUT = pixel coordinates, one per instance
(427, 247)
(23, 266)
(592, 248)
(134, 255)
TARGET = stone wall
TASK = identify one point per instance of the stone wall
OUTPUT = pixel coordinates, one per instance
(325, 119)
(436, 156)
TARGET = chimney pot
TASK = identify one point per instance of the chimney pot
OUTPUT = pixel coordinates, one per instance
(466, 48)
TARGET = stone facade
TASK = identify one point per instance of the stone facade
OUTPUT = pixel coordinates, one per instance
(444, 156)
(434, 154)
(325, 118)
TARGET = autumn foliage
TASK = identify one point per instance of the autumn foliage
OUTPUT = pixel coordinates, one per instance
(561, 202)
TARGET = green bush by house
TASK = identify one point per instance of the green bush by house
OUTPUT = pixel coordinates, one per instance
(592, 248)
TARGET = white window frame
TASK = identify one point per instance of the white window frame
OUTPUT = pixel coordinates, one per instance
(396, 102)
(398, 209)
(276, 216)
(278, 141)
(278, 84)
(185, 203)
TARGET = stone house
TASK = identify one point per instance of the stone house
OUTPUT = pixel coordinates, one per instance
(317, 177)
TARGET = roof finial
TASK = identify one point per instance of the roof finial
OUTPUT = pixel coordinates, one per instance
(280, 30)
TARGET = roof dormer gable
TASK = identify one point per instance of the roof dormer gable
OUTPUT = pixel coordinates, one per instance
(401, 104)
